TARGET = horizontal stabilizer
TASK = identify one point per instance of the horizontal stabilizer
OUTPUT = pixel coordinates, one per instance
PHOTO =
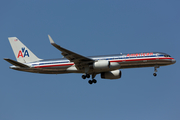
(16, 63)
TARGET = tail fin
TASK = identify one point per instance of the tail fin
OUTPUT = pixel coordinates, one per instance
(21, 52)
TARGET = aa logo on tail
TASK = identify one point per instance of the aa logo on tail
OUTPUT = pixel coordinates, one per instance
(23, 53)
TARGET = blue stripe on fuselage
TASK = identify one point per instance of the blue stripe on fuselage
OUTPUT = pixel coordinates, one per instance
(106, 57)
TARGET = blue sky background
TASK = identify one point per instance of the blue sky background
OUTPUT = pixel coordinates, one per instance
(91, 28)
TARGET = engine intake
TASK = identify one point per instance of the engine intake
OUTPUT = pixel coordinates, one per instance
(115, 74)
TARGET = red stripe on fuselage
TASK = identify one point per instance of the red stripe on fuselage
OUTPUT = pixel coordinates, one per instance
(58, 65)
(123, 60)
(141, 59)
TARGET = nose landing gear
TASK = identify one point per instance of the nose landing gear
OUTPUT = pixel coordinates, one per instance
(155, 70)
(154, 74)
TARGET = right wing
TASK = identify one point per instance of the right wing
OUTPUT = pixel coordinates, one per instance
(79, 60)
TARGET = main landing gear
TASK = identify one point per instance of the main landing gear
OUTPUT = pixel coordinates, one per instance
(88, 76)
(92, 81)
(155, 70)
(85, 76)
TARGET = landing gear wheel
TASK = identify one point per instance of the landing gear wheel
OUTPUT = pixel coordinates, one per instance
(83, 76)
(88, 76)
(154, 74)
(94, 81)
(155, 70)
(90, 81)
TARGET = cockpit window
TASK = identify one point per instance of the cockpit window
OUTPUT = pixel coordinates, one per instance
(167, 56)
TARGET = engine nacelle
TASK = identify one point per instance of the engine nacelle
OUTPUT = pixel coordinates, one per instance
(101, 64)
(104, 64)
(115, 74)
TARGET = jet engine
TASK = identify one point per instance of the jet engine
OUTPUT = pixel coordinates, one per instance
(115, 74)
(104, 64)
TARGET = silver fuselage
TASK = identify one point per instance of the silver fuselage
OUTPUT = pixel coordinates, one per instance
(134, 60)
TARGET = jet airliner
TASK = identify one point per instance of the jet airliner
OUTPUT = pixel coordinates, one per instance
(108, 66)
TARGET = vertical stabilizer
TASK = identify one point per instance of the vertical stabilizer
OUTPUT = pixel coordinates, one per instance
(21, 52)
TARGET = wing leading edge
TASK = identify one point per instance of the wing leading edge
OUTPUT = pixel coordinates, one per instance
(79, 60)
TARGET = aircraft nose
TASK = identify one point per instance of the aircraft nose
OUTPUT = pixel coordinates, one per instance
(173, 61)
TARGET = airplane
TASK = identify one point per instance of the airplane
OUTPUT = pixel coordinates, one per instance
(108, 66)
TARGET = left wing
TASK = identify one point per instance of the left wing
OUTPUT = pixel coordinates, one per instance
(79, 60)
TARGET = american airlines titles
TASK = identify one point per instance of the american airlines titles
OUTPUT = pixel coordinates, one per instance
(139, 54)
